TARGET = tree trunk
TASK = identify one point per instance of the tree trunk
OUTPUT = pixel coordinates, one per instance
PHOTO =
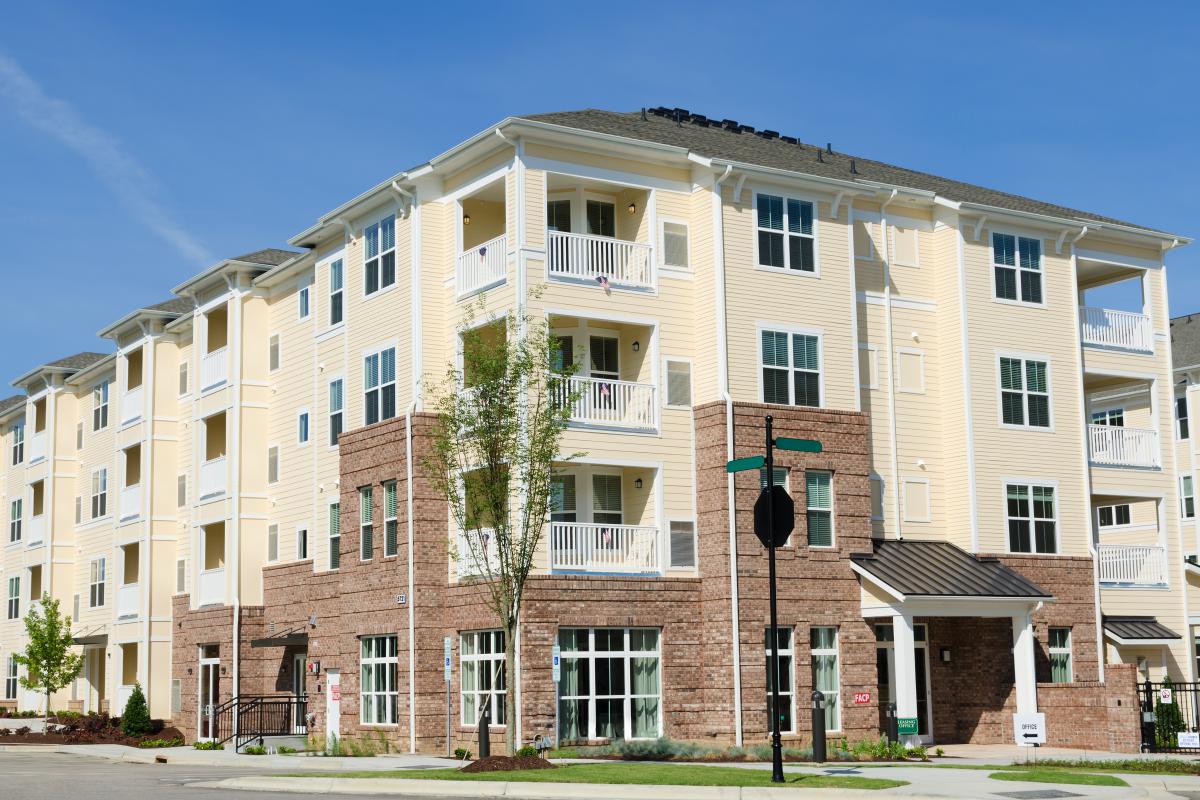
(46, 719)
(510, 687)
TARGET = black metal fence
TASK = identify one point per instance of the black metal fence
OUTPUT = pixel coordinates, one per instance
(1170, 717)
(253, 717)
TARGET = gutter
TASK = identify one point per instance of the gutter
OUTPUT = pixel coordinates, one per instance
(235, 388)
(412, 645)
(147, 554)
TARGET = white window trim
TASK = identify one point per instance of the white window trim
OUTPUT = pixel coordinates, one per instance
(1183, 497)
(273, 530)
(304, 308)
(991, 247)
(1029, 483)
(103, 562)
(784, 652)
(394, 249)
(1115, 526)
(92, 494)
(327, 328)
(1068, 650)
(277, 340)
(920, 353)
(905, 481)
(872, 364)
(366, 493)
(377, 350)
(667, 378)
(626, 655)
(304, 414)
(306, 529)
(833, 540)
(762, 326)
(787, 194)
(329, 535)
(999, 354)
(329, 412)
(837, 660)
(100, 401)
(278, 464)
(395, 488)
(485, 661)
(878, 479)
(662, 246)
(383, 662)
(695, 542)
(1176, 418)
(895, 262)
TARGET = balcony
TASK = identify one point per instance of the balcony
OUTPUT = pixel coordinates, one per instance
(1118, 330)
(481, 267)
(214, 368)
(210, 588)
(131, 405)
(212, 477)
(1132, 565)
(36, 533)
(129, 600)
(1114, 446)
(37, 446)
(468, 563)
(608, 403)
(589, 258)
(131, 502)
(598, 547)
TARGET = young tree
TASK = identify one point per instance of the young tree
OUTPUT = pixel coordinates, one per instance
(500, 421)
(135, 717)
(49, 660)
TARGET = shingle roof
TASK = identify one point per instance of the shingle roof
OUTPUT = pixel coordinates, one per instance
(9, 403)
(722, 140)
(1185, 341)
(77, 361)
(270, 256)
(917, 567)
(176, 305)
(1132, 628)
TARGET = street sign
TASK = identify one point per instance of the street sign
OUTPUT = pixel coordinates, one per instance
(556, 663)
(774, 516)
(1029, 728)
(743, 464)
(446, 657)
(798, 445)
(862, 698)
(906, 726)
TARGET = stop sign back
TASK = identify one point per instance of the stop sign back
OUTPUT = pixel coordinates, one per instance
(774, 516)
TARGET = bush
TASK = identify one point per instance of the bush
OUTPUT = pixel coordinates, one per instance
(462, 753)
(882, 750)
(255, 750)
(939, 752)
(920, 752)
(176, 742)
(1168, 721)
(135, 719)
(284, 750)
(528, 751)
(208, 746)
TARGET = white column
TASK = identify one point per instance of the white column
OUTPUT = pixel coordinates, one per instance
(1023, 664)
(905, 668)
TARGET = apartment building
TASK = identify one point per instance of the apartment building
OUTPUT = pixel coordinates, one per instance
(998, 521)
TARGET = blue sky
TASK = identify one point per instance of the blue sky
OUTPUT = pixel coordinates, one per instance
(140, 142)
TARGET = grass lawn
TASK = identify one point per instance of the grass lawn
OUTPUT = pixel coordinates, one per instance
(1129, 766)
(1059, 776)
(641, 774)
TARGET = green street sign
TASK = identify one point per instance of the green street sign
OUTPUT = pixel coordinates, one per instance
(906, 726)
(798, 445)
(749, 462)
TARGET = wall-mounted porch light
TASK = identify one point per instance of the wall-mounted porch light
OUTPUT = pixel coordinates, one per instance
(637, 346)
(466, 219)
(637, 483)
(632, 209)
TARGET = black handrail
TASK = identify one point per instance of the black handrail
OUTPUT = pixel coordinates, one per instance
(256, 716)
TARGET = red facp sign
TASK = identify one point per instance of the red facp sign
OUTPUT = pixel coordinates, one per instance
(862, 698)
(335, 692)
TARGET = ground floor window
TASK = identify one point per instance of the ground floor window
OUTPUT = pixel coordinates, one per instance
(1060, 655)
(787, 679)
(380, 693)
(10, 679)
(481, 666)
(611, 683)
(824, 642)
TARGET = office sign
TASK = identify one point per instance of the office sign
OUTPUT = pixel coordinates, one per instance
(1029, 728)
(906, 726)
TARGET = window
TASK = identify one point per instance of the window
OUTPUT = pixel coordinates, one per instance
(611, 685)
(674, 244)
(302, 427)
(787, 678)
(1111, 516)
(96, 584)
(181, 491)
(601, 218)
(1114, 417)
(380, 694)
(10, 678)
(302, 301)
(337, 282)
(15, 517)
(1060, 655)
(302, 543)
(379, 386)
(380, 257)
(1017, 262)
(14, 597)
(683, 543)
(18, 443)
(335, 535)
(100, 493)
(272, 543)
(366, 531)
(78, 509)
(1024, 393)
(183, 379)
(818, 491)
(781, 477)
(910, 370)
(1181, 417)
(679, 383)
(606, 499)
(180, 576)
(558, 215)
(391, 523)
(1031, 526)
(79, 436)
(100, 406)
(824, 644)
(785, 233)
(336, 405)
(563, 499)
(877, 498)
(791, 368)
(273, 464)
(482, 676)
(1187, 497)
(273, 357)
(916, 499)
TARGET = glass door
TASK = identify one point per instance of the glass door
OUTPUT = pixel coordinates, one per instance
(885, 664)
(299, 663)
(210, 673)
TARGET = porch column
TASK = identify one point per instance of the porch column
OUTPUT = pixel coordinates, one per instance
(905, 661)
(1023, 663)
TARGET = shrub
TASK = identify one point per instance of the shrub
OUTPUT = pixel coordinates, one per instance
(920, 752)
(462, 753)
(1168, 721)
(176, 742)
(284, 750)
(208, 746)
(528, 751)
(135, 719)
(255, 750)
(939, 752)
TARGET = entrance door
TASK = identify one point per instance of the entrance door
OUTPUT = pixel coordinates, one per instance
(885, 664)
(333, 705)
(299, 662)
(210, 675)
(94, 678)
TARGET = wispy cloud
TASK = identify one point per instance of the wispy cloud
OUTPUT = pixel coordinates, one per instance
(118, 170)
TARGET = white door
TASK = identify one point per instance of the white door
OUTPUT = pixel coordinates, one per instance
(299, 661)
(210, 671)
(333, 704)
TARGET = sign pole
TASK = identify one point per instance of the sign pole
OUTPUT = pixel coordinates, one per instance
(776, 743)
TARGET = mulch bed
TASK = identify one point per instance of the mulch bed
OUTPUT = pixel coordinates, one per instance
(86, 730)
(508, 763)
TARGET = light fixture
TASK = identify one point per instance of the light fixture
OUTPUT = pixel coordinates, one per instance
(946, 655)
(632, 209)
(637, 346)
(466, 219)
(637, 483)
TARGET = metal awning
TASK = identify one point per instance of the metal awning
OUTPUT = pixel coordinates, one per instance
(288, 639)
(924, 569)
(1138, 631)
(92, 639)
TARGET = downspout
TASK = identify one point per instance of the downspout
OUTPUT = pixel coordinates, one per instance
(723, 389)
(235, 347)
(968, 398)
(414, 225)
(147, 555)
(885, 251)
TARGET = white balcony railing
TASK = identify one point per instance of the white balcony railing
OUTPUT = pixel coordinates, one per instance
(36, 532)
(129, 600)
(212, 477)
(597, 547)
(601, 401)
(131, 502)
(471, 563)
(131, 405)
(481, 267)
(37, 446)
(214, 368)
(584, 257)
(210, 588)
(1123, 330)
(1133, 565)
(1113, 446)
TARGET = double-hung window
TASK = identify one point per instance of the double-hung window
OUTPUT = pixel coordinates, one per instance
(335, 535)
(337, 294)
(15, 516)
(273, 464)
(818, 491)
(379, 260)
(380, 695)
(791, 368)
(366, 520)
(18, 443)
(786, 233)
(1181, 418)
(1060, 655)
(14, 597)
(302, 428)
(337, 403)
(96, 584)
(1112, 516)
(1031, 519)
(391, 522)
(100, 493)
(1024, 392)
(611, 683)
(302, 301)
(100, 406)
(1017, 264)
(674, 244)
(302, 543)
(10, 678)
(482, 676)
(379, 386)
(787, 678)
(824, 649)
(1113, 417)
(1187, 497)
